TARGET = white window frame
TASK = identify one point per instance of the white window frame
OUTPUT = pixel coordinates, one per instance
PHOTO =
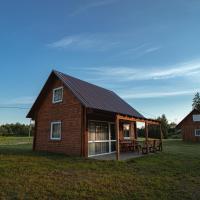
(197, 135)
(96, 141)
(196, 118)
(55, 89)
(53, 123)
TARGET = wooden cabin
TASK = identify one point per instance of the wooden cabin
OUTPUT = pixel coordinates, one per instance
(190, 126)
(75, 117)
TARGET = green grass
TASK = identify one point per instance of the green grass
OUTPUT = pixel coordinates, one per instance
(173, 174)
(15, 140)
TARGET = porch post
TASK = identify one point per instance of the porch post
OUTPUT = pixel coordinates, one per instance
(135, 130)
(117, 136)
(34, 135)
(147, 135)
(85, 134)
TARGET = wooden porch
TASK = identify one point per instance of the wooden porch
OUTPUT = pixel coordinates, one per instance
(123, 156)
(133, 149)
(133, 146)
(106, 136)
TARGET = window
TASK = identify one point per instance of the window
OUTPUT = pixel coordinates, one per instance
(196, 118)
(58, 95)
(101, 138)
(197, 132)
(56, 130)
(126, 131)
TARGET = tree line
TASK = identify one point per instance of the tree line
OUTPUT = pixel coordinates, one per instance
(16, 129)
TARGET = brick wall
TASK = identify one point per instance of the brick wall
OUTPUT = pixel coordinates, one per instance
(188, 128)
(69, 112)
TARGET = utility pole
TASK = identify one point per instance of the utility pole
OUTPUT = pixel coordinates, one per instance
(29, 133)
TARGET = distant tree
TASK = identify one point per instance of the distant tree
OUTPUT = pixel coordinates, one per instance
(168, 129)
(3, 131)
(172, 129)
(196, 101)
(164, 125)
(141, 132)
(172, 125)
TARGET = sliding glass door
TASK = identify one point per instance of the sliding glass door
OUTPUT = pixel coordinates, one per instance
(101, 138)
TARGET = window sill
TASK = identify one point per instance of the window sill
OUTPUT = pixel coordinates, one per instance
(127, 138)
(57, 140)
(56, 102)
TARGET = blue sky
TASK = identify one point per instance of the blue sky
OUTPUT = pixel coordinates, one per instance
(146, 51)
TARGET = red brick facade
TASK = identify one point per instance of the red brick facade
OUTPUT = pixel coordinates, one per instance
(69, 112)
(188, 127)
(72, 114)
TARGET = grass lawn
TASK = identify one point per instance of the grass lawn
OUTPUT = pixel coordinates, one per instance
(173, 174)
(15, 140)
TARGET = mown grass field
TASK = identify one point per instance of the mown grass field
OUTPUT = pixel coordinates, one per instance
(173, 174)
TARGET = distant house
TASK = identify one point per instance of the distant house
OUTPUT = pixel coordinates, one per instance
(190, 126)
(78, 118)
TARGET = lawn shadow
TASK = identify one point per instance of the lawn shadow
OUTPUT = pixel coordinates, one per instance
(26, 150)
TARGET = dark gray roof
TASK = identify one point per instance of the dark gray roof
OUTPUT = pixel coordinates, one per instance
(194, 110)
(92, 96)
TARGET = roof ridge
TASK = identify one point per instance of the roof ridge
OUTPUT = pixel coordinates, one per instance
(83, 81)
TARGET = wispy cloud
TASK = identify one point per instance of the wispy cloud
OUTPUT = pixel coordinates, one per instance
(140, 50)
(152, 49)
(98, 42)
(138, 73)
(133, 95)
(64, 42)
(102, 42)
(92, 4)
(135, 49)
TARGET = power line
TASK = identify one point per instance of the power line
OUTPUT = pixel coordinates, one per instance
(14, 107)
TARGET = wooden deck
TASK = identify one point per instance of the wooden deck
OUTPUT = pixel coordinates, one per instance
(123, 156)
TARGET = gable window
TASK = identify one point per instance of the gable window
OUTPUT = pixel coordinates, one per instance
(126, 131)
(57, 95)
(196, 118)
(197, 132)
(56, 130)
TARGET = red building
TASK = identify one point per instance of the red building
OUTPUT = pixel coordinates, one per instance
(78, 118)
(190, 126)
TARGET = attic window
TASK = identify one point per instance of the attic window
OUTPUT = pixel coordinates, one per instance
(196, 118)
(57, 95)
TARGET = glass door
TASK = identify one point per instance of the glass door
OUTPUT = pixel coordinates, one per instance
(101, 138)
(98, 135)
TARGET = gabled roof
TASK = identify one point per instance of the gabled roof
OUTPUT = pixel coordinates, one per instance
(92, 96)
(179, 124)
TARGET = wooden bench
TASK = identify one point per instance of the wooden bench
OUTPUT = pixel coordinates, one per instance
(152, 146)
(130, 145)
